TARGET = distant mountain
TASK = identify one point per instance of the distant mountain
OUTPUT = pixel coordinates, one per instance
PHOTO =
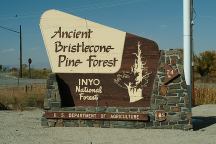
(35, 65)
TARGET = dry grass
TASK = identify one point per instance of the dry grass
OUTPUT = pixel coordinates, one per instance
(204, 96)
(20, 97)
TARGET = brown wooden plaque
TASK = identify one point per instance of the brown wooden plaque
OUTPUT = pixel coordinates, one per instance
(98, 116)
(131, 86)
(171, 74)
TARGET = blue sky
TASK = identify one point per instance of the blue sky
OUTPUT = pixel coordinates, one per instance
(159, 20)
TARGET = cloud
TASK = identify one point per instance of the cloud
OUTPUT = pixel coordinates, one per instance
(208, 17)
(36, 48)
(33, 49)
(163, 26)
(7, 50)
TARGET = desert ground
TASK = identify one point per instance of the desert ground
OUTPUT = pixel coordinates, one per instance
(23, 127)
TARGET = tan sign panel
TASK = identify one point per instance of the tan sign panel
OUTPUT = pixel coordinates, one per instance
(77, 45)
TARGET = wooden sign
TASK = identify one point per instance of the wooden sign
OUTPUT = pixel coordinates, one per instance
(98, 116)
(98, 65)
(171, 74)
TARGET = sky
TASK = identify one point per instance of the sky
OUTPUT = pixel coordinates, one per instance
(158, 20)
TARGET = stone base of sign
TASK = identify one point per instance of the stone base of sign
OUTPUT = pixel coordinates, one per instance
(169, 107)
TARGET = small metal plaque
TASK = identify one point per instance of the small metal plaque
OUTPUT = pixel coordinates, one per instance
(163, 90)
(160, 115)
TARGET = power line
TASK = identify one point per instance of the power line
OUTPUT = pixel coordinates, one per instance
(20, 37)
(81, 8)
(9, 29)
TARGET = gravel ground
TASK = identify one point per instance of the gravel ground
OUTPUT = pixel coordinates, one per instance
(24, 128)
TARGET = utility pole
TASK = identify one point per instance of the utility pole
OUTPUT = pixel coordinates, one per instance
(20, 37)
(20, 33)
(188, 33)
